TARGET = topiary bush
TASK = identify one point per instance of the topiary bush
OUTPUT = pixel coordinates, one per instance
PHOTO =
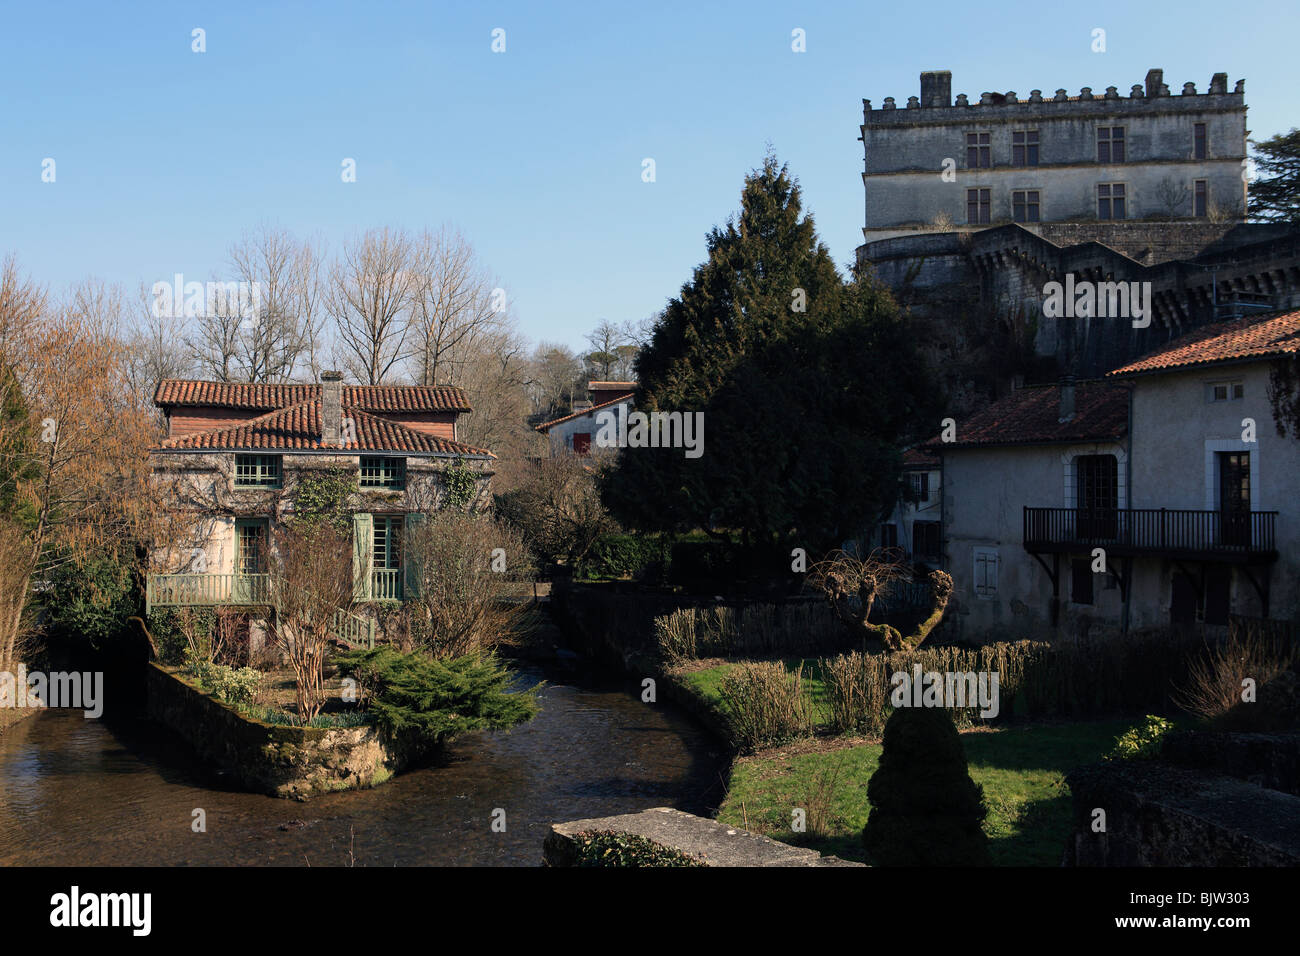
(925, 808)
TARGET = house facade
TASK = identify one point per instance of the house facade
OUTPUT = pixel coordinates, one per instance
(576, 432)
(916, 527)
(235, 456)
(1160, 495)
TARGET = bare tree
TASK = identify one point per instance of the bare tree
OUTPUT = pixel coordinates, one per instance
(604, 340)
(154, 351)
(311, 581)
(369, 297)
(212, 336)
(557, 378)
(851, 585)
(494, 371)
(454, 300)
(270, 344)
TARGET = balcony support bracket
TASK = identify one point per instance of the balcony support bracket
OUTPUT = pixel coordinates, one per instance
(1054, 573)
(1260, 584)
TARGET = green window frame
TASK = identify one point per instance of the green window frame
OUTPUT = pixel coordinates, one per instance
(377, 472)
(250, 545)
(387, 542)
(257, 471)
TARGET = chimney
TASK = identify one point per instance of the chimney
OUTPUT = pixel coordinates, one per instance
(936, 88)
(331, 409)
(1067, 399)
(1155, 80)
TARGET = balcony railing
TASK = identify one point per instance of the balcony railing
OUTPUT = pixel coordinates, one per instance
(1229, 535)
(386, 585)
(206, 590)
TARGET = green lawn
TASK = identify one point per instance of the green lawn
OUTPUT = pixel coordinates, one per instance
(1020, 768)
(707, 684)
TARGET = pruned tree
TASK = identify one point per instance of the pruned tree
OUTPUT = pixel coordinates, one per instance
(853, 584)
(369, 298)
(311, 581)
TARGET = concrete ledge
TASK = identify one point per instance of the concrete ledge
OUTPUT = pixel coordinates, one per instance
(717, 843)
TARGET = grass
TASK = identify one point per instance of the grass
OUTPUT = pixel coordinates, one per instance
(707, 684)
(1021, 769)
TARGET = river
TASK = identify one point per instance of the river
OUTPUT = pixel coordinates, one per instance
(122, 791)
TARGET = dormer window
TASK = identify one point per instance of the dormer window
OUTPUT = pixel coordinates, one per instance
(383, 473)
(257, 471)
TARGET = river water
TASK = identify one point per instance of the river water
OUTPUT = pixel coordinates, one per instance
(123, 791)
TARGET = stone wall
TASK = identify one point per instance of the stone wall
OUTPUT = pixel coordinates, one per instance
(295, 762)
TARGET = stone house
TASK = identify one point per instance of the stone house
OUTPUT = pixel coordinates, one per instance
(1161, 494)
(235, 455)
(576, 432)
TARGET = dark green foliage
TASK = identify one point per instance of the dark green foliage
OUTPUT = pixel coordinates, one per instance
(436, 700)
(324, 498)
(805, 410)
(1275, 195)
(611, 848)
(925, 809)
(623, 556)
(90, 600)
(165, 627)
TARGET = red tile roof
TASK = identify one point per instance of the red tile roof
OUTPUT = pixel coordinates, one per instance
(1235, 341)
(371, 398)
(920, 457)
(298, 428)
(546, 426)
(1031, 416)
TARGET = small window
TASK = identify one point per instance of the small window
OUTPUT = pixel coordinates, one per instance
(919, 485)
(986, 572)
(383, 472)
(978, 206)
(1225, 391)
(1024, 148)
(1111, 201)
(1199, 150)
(582, 443)
(978, 151)
(1200, 199)
(257, 471)
(1024, 205)
(1110, 144)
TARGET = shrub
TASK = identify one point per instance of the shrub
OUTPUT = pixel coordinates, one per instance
(168, 628)
(925, 808)
(856, 692)
(436, 700)
(766, 704)
(1214, 684)
(1141, 743)
(91, 599)
(622, 556)
(237, 686)
(611, 848)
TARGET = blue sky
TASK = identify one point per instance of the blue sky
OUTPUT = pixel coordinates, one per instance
(165, 155)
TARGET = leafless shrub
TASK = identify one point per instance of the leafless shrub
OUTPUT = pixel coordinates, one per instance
(1215, 678)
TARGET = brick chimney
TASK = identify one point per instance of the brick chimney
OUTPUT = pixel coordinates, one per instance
(936, 88)
(1067, 398)
(331, 409)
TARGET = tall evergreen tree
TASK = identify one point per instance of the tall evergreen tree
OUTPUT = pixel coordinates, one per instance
(809, 387)
(1275, 195)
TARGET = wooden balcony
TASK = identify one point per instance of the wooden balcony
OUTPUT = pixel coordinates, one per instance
(386, 585)
(1247, 537)
(206, 590)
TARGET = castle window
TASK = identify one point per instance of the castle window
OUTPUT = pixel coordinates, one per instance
(978, 206)
(1199, 149)
(1024, 205)
(1110, 201)
(1200, 198)
(979, 154)
(1110, 144)
(1024, 148)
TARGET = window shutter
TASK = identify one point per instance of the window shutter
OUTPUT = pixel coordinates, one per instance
(363, 534)
(410, 558)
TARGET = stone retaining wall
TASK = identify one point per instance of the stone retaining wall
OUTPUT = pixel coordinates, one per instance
(295, 762)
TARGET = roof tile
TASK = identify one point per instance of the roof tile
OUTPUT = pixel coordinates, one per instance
(370, 398)
(1232, 341)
